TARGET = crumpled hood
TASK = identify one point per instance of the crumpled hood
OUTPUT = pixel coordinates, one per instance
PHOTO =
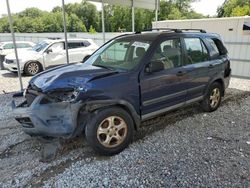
(24, 54)
(68, 76)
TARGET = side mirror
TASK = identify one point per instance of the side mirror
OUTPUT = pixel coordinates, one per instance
(86, 58)
(154, 66)
(49, 51)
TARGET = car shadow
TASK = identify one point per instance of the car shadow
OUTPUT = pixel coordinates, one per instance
(10, 74)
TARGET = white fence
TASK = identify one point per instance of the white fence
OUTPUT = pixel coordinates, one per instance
(37, 37)
(239, 52)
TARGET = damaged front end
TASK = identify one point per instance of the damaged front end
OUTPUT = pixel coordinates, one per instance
(52, 114)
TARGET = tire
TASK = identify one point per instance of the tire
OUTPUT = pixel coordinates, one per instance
(103, 133)
(32, 68)
(212, 100)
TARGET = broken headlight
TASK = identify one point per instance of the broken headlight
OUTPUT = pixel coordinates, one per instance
(60, 96)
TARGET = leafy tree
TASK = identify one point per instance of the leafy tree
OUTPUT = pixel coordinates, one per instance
(92, 30)
(74, 24)
(82, 17)
(31, 13)
(234, 8)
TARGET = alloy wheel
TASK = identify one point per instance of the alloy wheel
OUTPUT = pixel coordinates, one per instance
(112, 131)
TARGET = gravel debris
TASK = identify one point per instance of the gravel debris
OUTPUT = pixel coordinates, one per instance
(184, 148)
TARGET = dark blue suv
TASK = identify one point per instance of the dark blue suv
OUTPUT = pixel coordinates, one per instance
(128, 80)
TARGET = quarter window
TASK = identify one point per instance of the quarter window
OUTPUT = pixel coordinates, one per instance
(196, 50)
(214, 50)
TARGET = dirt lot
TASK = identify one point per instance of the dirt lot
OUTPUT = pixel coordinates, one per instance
(184, 148)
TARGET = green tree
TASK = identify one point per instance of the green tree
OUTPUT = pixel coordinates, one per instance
(92, 30)
(74, 24)
(234, 8)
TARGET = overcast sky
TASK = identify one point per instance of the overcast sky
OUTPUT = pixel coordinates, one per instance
(206, 7)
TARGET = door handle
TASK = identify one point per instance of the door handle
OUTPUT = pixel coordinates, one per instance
(180, 73)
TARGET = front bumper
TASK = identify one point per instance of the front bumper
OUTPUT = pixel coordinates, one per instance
(12, 67)
(53, 119)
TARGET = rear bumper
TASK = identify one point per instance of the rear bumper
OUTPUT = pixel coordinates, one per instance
(53, 119)
(227, 79)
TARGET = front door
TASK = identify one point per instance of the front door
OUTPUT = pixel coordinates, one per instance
(55, 55)
(165, 89)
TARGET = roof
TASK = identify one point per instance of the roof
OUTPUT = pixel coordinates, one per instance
(152, 35)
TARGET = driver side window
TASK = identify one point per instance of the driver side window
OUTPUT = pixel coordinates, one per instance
(57, 47)
(169, 53)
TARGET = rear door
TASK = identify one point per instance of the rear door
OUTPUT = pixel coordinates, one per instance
(219, 60)
(166, 89)
(197, 65)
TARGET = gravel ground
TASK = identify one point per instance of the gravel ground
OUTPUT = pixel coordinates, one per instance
(184, 148)
(9, 81)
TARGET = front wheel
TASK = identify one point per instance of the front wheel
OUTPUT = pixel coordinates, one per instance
(32, 68)
(109, 131)
(212, 99)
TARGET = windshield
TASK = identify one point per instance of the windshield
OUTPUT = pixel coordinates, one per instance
(40, 46)
(120, 54)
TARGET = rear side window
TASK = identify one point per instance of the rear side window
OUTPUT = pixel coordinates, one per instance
(72, 45)
(196, 50)
(86, 43)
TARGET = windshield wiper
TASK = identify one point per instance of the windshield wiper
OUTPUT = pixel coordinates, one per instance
(105, 67)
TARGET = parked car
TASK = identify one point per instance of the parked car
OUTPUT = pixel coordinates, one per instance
(50, 53)
(8, 47)
(130, 79)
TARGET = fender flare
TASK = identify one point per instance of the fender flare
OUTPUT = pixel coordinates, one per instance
(91, 106)
(216, 79)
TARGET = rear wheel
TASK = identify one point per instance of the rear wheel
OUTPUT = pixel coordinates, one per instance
(109, 131)
(213, 98)
(32, 68)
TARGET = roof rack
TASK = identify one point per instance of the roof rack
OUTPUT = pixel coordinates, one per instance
(171, 29)
(54, 38)
(163, 29)
(200, 30)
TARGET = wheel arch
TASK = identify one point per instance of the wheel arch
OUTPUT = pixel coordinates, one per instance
(92, 106)
(40, 64)
(218, 80)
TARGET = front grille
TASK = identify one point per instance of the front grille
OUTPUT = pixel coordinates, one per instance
(26, 122)
(8, 61)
